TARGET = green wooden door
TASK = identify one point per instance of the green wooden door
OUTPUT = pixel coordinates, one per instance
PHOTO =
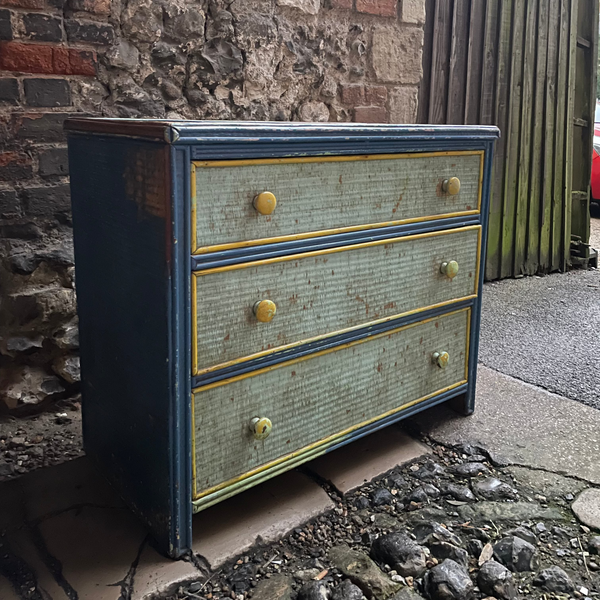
(527, 66)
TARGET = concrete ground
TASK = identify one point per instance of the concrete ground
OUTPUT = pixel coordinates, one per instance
(67, 535)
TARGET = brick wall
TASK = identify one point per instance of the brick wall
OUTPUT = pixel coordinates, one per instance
(312, 60)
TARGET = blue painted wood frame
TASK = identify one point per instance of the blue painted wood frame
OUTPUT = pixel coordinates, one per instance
(133, 283)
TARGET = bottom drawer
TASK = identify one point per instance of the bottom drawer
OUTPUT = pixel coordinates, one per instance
(322, 397)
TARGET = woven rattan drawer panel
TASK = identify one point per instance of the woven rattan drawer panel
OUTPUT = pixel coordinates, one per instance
(320, 293)
(311, 400)
(328, 194)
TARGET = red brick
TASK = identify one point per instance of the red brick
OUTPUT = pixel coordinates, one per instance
(14, 166)
(353, 95)
(341, 3)
(38, 58)
(383, 8)
(24, 3)
(375, 95)
(370, 114)
(98, 7)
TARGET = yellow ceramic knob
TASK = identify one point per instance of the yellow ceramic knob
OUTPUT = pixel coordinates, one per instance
(441, 359)
(265, 203)
(449, 269)
(261, 427)
(451, 186)
(265, 310)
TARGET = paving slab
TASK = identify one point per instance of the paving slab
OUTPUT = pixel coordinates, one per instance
(154, 574)
(587, 508)
(524, 425)
(353, 465)
(265, 513)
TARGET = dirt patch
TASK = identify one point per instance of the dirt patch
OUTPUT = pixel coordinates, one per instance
(43, 440)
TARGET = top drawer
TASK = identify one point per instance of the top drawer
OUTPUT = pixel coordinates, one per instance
(324, 195)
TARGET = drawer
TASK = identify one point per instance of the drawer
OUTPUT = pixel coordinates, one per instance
(320, 293)
(321, 195)
(320, 398)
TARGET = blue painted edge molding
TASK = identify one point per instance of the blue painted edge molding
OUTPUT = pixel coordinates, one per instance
(181, 361)
(323, 344)
(223, 258)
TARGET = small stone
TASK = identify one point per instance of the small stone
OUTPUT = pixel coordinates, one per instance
(306, 574)
(431, 490)
(358, 567)
(471, 469)
(587, 507)
(347, 591)
(314, 590)
(62, 419)
(459, 492)
(381, 496)
(448, 581)
(407, 593)
(496, 580)
(396, 480)
(429, 532)
(402, 553)
(554, 579)
(516, 554)
(540, 528)
(443, 550)
(418, 495)
(569, 497)
(361, 502)
(594, 545)
(429, 471)
(68, 368)
(491, 488)
(277, 587)
(6, 469)
(524, 533)
(195, 586)
(474, 547)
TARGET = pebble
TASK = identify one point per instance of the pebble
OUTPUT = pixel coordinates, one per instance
(496, 580)
(382, 496)
(516, 554)
(492, 488)
(594, 545)
(401, 552)
(471, 469)
(554, 579)
(448, 581)
(459, 492)
(429, 471)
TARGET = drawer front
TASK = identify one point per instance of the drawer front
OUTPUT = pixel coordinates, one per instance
(322, 397)
(322, 195)
(320, 293)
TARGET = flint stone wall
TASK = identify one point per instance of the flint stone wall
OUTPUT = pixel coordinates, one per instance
(309, 60)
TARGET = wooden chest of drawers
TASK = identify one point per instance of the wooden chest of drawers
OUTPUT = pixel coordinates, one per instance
(252, 295)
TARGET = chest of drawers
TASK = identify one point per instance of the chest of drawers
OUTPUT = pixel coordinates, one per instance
(253, 295)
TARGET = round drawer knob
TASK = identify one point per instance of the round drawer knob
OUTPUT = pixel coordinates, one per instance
(441, 359)
(261, 427)
(265, 310)
(451, 186)
(449, 269)
(265, 203)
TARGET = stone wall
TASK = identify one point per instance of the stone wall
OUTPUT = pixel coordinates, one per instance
(310, 60)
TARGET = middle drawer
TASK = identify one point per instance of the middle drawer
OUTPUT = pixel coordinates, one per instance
(324, 292)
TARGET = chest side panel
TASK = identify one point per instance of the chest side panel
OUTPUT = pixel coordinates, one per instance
(328, 292)
(311, 400)
(320, 194)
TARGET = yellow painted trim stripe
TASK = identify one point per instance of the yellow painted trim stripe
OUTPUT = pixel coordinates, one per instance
(197, 371)
(323, 232)
(321, 159)
(326, 251)
(330, 439)
(194, 240)
(415, 311)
